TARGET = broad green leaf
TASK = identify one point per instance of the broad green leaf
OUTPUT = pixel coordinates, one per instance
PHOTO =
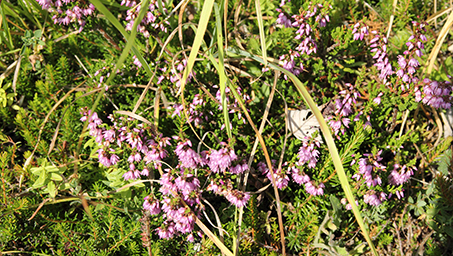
(36, 170)
(64, 186)
(51, 168)
(41, 179)
(55, 177)
(52, 189)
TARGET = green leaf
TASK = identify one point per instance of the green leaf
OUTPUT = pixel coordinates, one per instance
(52, 189)
(64, 186)
(40, 181)
(52, 168)
(55, 177)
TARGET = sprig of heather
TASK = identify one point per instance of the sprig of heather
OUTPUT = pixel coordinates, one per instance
(195, 110)
(152, 17)
(378, 189)
(344, 107)
(68, 11)
(317, 15)
(126, 143)
(280, 176)
(408, 63)
(378, 46)
(435, 94)
(233, 104)
(141, 149)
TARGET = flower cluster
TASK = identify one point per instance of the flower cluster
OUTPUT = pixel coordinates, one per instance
(280, 177)
(343, 108)
(360, 31)
(317, 15)
(369, 171)
(180, 189)
(225, 188)
(68, 11)
(195, 110)
(177, 73)
(311, 187)
(136, 143)
(379, 47)
(221, 164)
(151, 17)
(234, 105)
(308, 154)
(435, 94)
(399, 176)
(408, 63)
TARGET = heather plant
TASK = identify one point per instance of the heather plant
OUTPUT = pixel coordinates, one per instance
(157, 127)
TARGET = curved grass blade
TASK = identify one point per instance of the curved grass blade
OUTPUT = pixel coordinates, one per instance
(221, 69)
(202, 25)
(440, 39)
(8, 39)
(259, 18)
(110, 17)
(329, 141)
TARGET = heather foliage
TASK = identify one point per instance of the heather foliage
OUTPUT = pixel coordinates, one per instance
(242, 128)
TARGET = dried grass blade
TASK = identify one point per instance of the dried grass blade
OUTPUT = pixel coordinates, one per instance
(440, 39)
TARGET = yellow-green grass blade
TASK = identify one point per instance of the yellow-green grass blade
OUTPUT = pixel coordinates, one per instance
(259, 18)
(112, 19)
(7, 34)
(221, 69)
(329, 140)
(201, 30)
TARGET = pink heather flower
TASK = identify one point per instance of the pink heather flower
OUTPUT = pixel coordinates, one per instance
(437, 94)
(298, 176)
(359, 34)
(167, 184)
(145, 172)
(166, 231)
(281, 179)
(400, 193)
(215, 188)
(238, 198)
(377, 100)
(283, 20)
(220, 160)
(374, 198)
(187, 184)
(131, 175)
(314, 190)
(187, 156)
(151, 205)
(239, 168)
(308, 154)
(104, 158)
(109, 135)
(348, 206)
(190, 238)
(114, 159)
(398, 177)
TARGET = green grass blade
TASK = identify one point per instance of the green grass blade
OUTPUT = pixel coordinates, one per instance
(112, 19)
(329, 140)
(202, 25)
(7, 34)
(221, 69)
(259, 17)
